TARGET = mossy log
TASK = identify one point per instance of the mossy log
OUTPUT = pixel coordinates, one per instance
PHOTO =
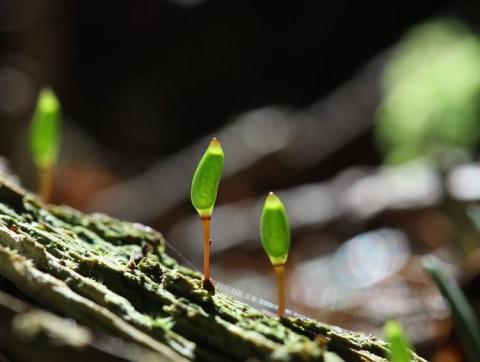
(116, 277)
(30, 334)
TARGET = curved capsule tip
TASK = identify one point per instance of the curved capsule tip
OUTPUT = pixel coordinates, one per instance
(215, 145)
(273, 201)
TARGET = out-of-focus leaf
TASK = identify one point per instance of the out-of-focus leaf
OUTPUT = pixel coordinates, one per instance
(464, 319)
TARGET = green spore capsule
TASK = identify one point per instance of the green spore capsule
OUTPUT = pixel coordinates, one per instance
(275, 236)
(204, 193)
(207, 178)
(45, 129)
(45, 139)
(275, 230)
(399, 345)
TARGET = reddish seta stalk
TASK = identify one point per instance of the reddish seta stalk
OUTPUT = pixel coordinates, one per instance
(280, 274)
(45, 183)
(207, 241)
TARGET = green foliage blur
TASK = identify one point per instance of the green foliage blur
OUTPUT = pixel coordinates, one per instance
(431, 94)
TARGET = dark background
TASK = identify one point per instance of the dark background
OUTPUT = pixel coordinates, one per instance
(145, 78)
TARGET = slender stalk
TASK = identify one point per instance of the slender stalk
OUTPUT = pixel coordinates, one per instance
(280, 273)
(207, 241)
(45, 183)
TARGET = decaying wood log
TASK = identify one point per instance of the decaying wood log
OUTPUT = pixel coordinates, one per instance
(116, 277)
(30, 334)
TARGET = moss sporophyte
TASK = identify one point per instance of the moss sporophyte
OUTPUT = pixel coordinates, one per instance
(399, 345)
(275, 237)
(45, 139)
(203, 194)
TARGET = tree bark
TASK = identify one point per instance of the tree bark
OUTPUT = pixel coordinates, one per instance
(116, 277)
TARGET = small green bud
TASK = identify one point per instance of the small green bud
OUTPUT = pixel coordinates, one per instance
(275, 230)
(206, 179)
(399, 345)
(45, 129)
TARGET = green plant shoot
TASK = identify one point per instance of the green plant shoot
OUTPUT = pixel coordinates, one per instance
(203, 194)
(399, 345)
(45, 139)
(275, 237)
(464, 319)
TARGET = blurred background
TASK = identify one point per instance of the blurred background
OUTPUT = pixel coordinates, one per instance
(364, 118)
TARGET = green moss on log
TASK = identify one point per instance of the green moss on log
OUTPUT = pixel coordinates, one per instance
(116, 276)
